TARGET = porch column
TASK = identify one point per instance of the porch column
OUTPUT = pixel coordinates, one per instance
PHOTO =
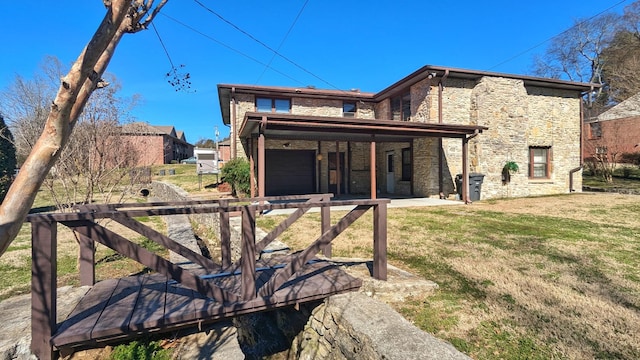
(465, 170)
(372, 165)
(252, 167)
(338, 174)
(261, 158)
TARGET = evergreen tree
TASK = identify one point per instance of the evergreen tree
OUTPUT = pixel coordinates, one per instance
(7, 158)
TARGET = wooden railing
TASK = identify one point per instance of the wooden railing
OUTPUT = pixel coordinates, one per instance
(83, 222)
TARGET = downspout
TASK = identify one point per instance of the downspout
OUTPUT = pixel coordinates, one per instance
(573, 171)
(234, 125)
(440, 120)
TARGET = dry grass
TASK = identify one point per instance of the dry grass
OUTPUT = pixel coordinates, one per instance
(536, 278)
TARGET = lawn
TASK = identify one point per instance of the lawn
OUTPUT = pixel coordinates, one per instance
(535, 278)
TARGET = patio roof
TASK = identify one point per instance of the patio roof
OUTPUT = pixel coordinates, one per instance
(300, 127)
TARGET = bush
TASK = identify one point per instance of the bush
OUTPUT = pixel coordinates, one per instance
(140, 350)
(237, 173)
(630, 158)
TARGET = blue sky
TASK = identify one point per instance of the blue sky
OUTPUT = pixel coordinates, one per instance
(334, 44)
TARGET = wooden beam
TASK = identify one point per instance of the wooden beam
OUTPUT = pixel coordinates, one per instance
(372, 165)
(380, 241)
(43, 287)
(282, 275)
(147, 258)
(248, 257)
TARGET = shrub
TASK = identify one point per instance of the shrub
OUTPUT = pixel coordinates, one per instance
(140, 350)
(630, 158)
(237, 172)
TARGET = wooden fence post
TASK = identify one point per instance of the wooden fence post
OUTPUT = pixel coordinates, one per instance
(225, 234)
(43, 287)
(325, 221)
(248, 257)
(380, 241)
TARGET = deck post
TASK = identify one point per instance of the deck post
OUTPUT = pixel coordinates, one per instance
(87, 261)
(225, 234)
(43, 287)
(325, 224)
(248, 255)
(380, 241)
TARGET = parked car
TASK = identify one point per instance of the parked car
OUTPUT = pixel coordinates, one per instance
(190, 160)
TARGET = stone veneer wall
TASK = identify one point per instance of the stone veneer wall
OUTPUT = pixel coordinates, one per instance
(517, 118)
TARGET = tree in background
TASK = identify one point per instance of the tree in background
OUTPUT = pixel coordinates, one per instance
(604, 50)
(7, 158)
(205, 143)
(122, 16)
(91, 163)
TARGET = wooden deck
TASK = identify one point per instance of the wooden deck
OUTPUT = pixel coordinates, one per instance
(118, 308)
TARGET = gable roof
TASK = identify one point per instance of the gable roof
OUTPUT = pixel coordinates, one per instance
(225, 91)
(625, 109)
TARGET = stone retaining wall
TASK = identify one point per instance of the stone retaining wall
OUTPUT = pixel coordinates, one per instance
(355, 326)
(170, 192)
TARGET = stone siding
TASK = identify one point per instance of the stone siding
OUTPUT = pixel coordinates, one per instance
(518, 118)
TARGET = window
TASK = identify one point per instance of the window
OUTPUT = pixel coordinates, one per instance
(401, 107)
(595, 130)
(406, 164)
(539, 162)
(349, 109)
(273, 105)
(601, 150)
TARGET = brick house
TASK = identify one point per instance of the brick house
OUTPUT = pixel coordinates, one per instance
(614, 132)
(412, 138)
(157, 145)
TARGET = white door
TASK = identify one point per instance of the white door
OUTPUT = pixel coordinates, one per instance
(391, 179)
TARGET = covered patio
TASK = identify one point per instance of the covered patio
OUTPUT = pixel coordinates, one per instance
(256, 128)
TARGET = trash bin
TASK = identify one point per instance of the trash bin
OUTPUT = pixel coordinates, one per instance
(172, 171)
(475, 185)
(161, 173)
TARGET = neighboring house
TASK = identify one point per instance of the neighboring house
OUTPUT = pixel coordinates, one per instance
(224, 147)
(614, 132)
(157, 145)
(412, 138)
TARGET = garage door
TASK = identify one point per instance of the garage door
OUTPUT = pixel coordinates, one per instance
(289, 172)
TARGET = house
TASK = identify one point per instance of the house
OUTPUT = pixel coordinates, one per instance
(614, 132)
(224, 148)
(412, 138)
(157, 145)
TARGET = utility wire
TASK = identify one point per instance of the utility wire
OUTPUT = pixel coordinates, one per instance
(554, 36)
(163, 47)
(227, 46)
(283, 40)
(264, 45)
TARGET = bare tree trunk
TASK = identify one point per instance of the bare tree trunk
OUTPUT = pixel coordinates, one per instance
(74, 91)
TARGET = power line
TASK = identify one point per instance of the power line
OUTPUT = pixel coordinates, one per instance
(264, 45)
(227, 46)
(283, 39)
(162, 43)
(554, 36)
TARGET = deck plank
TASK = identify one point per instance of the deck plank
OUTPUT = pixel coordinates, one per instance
(116, 316)
(78, 325)
(149, 308)
(151, 303)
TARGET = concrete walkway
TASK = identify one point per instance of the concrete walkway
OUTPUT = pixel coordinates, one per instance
(395, 203)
